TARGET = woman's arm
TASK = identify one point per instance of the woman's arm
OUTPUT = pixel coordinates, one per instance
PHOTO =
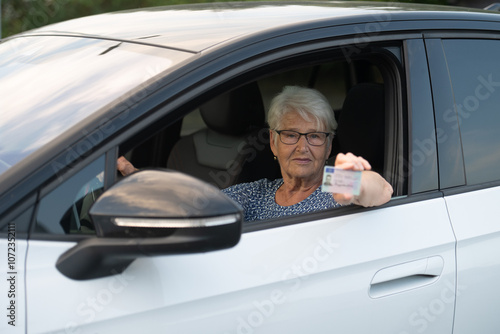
(375, 190)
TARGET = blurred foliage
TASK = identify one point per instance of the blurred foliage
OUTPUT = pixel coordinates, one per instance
(22, 15)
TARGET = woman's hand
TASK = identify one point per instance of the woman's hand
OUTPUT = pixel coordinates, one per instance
(350, 161)
(124, 166)
(375, 190)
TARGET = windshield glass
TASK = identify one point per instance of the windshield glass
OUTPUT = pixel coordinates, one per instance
(49, 83)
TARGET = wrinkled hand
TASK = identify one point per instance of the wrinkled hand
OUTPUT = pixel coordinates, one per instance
(350, 161)
(124, 166)
(375, 190)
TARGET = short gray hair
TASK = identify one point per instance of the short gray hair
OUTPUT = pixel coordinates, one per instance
(307, 102)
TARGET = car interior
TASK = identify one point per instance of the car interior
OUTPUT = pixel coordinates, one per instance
(225, 140)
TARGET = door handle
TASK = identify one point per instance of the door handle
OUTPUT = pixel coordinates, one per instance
(406, 276)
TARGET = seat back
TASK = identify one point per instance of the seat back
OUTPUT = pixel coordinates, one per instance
(361, 124)
(234, 146)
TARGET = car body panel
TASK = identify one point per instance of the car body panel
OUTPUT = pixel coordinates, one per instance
(286, 279)
(477, 234)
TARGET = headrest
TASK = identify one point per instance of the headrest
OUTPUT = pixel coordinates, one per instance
(361, 123)
(235, 112)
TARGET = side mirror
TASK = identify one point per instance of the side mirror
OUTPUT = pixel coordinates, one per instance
(150, 213)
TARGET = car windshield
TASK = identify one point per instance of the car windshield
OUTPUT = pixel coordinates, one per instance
(50, 83)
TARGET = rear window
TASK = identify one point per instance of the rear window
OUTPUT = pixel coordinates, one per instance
(475, 75)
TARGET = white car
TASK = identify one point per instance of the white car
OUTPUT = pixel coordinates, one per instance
(182, 92)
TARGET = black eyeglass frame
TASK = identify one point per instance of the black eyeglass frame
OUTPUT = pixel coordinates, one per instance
(303, 134)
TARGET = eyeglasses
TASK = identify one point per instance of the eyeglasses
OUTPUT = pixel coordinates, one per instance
(290, 137)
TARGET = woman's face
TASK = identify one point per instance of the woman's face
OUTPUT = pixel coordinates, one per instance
(300, 160)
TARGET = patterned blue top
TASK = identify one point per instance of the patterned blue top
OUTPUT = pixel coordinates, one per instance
(258, 200)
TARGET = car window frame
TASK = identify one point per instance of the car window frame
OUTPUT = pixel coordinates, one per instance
(422, 162)
(132, 114)
(253, 74)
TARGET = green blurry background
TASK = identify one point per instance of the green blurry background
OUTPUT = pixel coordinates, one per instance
(21, 15)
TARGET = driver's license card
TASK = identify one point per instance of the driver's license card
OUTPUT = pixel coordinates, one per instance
(341, 181)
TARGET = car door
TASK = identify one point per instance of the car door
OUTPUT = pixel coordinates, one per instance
(378, 270)
(350, 270)
(380, 266)
(471, 81)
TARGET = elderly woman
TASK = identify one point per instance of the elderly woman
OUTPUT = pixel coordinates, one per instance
(302, 127)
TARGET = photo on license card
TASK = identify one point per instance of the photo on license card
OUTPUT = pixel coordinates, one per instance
(341, 181)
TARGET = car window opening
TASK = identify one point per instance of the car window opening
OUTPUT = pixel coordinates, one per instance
(225, 141)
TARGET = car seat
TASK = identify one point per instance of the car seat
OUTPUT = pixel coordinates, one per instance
(234, 147)
(361, 124)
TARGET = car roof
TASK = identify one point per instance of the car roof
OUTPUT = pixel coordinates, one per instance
(179, 26)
